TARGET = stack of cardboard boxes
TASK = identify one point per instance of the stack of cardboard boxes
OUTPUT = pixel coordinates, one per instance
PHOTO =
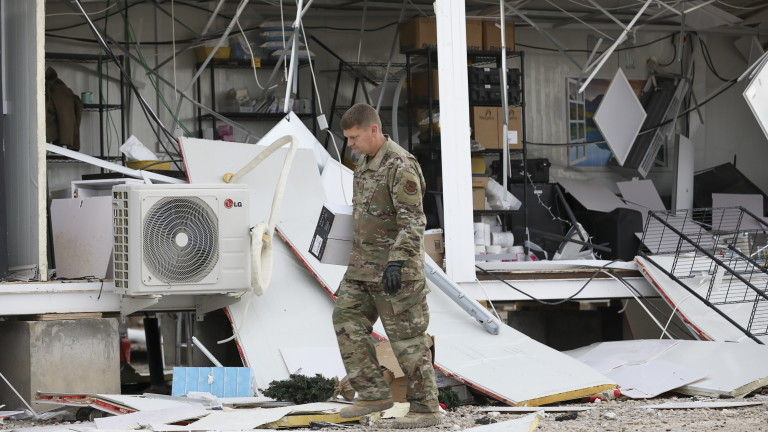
(482, 34)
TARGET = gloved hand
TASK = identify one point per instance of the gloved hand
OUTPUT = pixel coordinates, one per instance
(392, 278)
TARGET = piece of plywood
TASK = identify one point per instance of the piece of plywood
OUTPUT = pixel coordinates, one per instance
(82, 236)
(620, 116)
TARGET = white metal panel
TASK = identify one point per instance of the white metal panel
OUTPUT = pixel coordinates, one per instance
(24, 132)
(20, 298)
(593, 196)
(682, 192)
(82, 236)
(731, 369)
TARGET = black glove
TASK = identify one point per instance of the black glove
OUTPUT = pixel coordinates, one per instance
(392, 278)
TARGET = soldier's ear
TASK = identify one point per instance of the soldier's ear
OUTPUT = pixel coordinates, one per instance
(374, 129)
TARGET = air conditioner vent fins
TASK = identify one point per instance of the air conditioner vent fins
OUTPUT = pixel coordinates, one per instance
(181, 240)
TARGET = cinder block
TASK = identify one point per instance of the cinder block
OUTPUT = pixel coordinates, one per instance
(63, 356)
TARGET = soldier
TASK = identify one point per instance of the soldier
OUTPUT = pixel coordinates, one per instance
(385, 277)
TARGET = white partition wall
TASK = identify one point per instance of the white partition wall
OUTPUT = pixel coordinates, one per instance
(24, 134)
(455, 137)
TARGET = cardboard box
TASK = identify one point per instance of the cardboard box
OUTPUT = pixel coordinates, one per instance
(420, 82)
(202, 52)
(487, 127)
(434, 245)
(474, 34)
(393, 375)
(515, 128)
(478, 199)
(421, 32)
(479, 183)
(332, 241)
(492, 35)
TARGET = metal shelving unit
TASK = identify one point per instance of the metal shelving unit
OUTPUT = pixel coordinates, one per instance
(216, 64)
(101, 108)
(428, 148)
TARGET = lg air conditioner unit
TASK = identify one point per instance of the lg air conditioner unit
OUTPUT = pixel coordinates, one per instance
(181, 239)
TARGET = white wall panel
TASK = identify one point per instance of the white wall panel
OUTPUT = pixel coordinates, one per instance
(22, 43)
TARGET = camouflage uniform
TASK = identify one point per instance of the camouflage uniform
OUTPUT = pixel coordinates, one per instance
(389, 226)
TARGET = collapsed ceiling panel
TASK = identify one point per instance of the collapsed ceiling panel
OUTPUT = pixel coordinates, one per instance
(295, 312)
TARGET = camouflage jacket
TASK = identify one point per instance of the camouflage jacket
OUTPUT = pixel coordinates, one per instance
(388, 215)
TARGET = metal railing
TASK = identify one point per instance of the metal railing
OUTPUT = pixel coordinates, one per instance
(726, 246)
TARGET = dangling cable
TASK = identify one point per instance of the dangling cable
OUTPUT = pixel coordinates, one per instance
(142, 103)
(320, 107)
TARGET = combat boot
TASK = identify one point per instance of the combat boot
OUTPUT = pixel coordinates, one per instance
(364, 407)
(416, 420)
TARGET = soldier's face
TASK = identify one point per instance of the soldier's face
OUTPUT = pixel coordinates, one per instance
(361, 141)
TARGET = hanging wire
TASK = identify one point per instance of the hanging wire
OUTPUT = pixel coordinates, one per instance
(252, 56)
(549, 303)
(153, 81)
(320, 108)
(142, 103)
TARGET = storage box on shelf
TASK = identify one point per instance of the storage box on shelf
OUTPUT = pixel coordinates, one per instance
(421, 33)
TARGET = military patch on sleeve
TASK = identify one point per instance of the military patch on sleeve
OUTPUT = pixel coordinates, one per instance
(408, 188)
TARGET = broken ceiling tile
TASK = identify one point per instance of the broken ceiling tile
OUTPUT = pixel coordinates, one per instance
(620, 116)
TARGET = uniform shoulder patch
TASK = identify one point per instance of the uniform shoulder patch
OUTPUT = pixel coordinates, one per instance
(408, 187)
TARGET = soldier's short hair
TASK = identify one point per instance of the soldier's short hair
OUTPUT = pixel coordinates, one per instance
(360, 115)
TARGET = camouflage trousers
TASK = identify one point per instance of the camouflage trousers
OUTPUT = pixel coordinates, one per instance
(405, 317)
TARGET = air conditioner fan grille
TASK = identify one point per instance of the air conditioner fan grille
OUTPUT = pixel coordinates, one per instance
(181, 239)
